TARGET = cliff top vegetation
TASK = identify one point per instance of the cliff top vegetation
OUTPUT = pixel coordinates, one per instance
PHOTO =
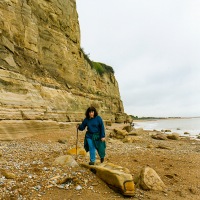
(101, 68)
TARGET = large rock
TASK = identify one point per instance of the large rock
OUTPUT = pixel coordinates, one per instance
(43, 71)
(128, 128)
(159, 136)
(117, 177)
(119, 133)
(149, 180)
(173, 136)
(66, 160)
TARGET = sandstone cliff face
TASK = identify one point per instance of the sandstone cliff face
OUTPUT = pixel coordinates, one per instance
(43, 74)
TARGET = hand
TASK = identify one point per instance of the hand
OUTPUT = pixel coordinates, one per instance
(103, 139)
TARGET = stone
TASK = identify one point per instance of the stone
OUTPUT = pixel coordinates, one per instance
(128, 128)
(116, 177)
(78, 151)
(149, 180)
(66, 160)
(159, 136)
(173, 136)
(62, 141)
(78, 187)
(120, 134)
(7, 174)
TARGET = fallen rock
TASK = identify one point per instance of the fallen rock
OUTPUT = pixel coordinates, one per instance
(128, 128)
(66, 160)
(7, 174)
(78, 151)
(120, 134)
(117, 177)
(173, 136)
(149, 180)
(159, 136)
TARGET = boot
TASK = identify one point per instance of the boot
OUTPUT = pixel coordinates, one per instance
(91, 163)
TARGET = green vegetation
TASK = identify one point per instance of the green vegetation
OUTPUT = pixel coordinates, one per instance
(100, 68)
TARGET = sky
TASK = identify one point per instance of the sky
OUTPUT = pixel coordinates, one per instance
(154, 49)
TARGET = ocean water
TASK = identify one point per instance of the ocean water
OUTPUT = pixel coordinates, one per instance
(190, 125)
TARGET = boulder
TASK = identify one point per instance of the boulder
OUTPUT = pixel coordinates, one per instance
(149, 180)
(116, 177)
(120, 132)
(159, 136)
(66, 160)
(173, 136)
(128, 128)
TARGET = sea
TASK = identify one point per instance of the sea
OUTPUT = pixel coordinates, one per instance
(178, 125)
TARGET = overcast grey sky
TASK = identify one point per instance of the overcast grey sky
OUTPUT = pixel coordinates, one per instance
(154, 48)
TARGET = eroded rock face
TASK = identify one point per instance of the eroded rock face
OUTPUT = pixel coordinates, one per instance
(43, 73)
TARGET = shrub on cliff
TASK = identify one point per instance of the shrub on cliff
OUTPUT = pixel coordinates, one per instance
(101, 68)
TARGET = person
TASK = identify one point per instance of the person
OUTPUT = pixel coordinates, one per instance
(95, 134)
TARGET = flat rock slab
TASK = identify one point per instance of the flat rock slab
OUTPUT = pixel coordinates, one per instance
(116, 177)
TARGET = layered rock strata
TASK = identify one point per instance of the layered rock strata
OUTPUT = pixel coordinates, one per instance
(43, 74)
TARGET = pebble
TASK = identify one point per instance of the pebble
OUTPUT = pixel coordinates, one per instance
(95, 184)
(78, 187)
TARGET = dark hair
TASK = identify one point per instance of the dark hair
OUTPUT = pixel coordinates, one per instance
(90, 109)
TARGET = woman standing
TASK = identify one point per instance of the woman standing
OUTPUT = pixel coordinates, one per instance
(95, 135)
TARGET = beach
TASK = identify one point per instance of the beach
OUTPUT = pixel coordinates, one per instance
(30, 161)
(183, 126)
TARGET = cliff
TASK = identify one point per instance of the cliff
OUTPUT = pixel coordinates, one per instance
(45, 80)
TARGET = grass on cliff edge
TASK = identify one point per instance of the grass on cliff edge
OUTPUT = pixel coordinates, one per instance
(100, 68)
